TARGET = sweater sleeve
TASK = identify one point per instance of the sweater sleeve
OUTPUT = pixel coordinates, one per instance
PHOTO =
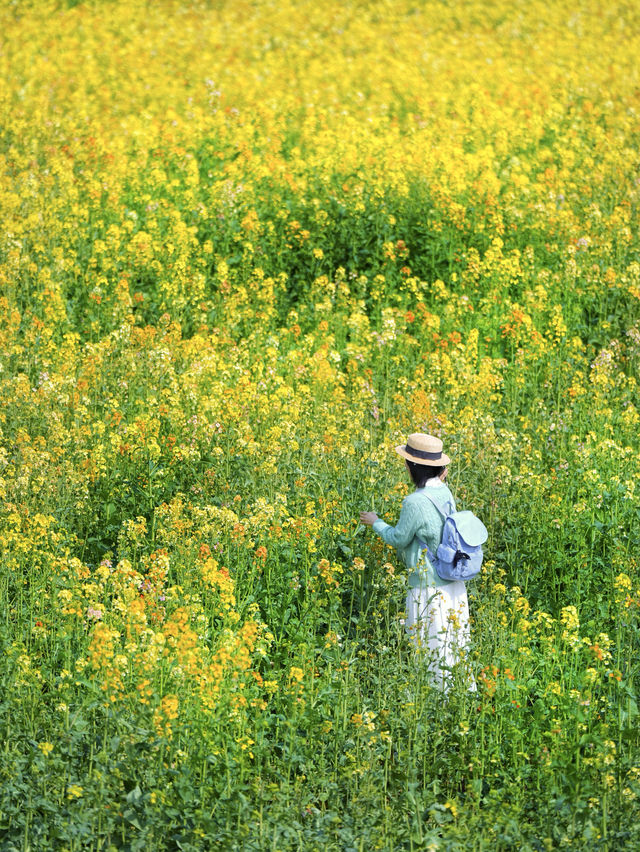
(404, 531)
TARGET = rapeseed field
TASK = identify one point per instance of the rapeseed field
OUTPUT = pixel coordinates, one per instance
(246, 248)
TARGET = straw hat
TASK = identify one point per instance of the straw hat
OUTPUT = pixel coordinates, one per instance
(424, 449)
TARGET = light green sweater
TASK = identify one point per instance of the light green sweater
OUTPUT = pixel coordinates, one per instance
(419, 522)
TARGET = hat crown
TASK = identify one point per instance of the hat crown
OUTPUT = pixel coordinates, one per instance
(424, 443)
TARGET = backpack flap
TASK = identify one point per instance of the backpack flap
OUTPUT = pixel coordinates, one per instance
(471, 529)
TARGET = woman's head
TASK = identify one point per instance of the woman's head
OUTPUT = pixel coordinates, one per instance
(422, 473)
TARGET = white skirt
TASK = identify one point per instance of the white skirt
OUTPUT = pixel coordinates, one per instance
(438, 623)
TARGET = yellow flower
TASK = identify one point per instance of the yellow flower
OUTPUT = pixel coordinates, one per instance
(45, 748)
(296, 674)
(331, 639)
(591, 675)
(622, 585)
(569, 617)
(453, 808)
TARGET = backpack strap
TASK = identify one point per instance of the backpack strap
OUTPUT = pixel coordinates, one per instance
(432, 556)
(439, 508)
(424, 546)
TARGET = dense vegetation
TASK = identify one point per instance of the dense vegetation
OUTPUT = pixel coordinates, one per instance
(246, 248)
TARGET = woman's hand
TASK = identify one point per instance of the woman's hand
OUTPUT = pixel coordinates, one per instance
(368, 518)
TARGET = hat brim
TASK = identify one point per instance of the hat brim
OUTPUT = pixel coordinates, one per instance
(441, 462)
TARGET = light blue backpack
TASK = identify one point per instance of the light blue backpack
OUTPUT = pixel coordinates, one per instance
(459, 555)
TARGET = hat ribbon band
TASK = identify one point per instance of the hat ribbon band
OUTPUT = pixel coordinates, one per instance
(422, 454)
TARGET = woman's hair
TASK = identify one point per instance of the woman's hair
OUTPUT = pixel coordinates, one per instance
(420, 473)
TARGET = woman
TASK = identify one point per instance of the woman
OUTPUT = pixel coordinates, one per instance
(437, 610)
